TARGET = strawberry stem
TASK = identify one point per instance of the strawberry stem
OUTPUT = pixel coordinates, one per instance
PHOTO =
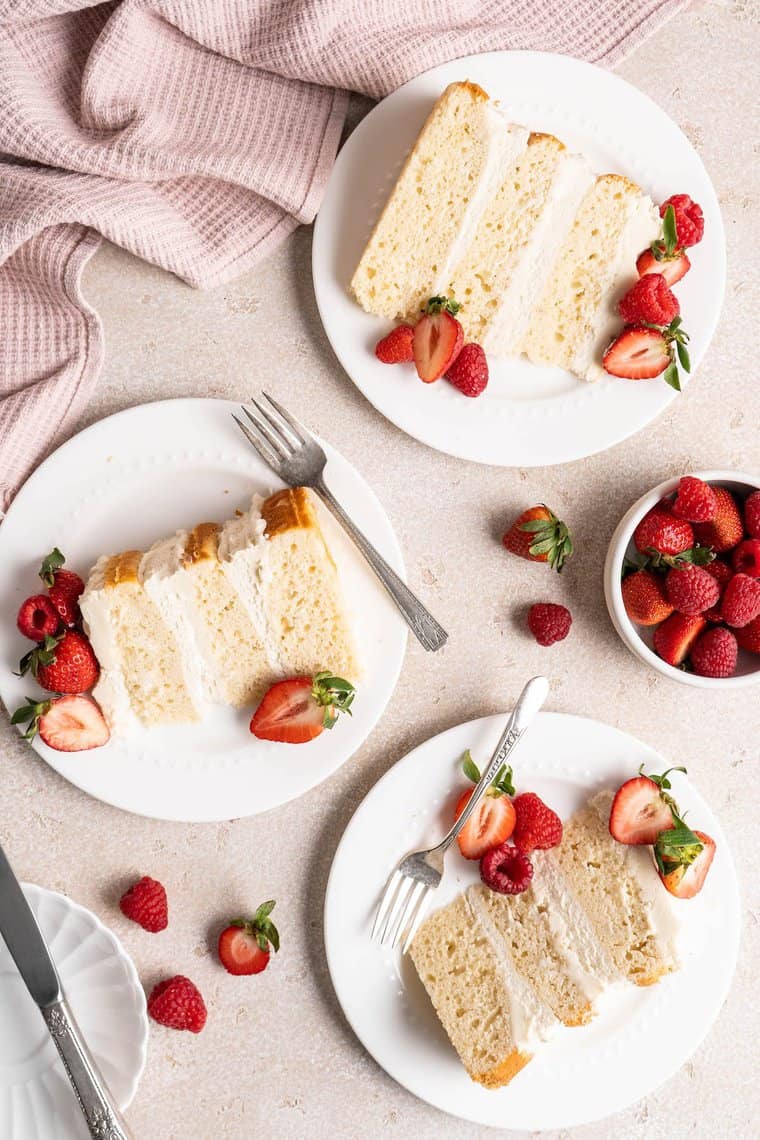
(442, 304)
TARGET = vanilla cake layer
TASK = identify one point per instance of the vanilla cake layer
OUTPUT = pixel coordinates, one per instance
(216, 615)
(141, 673)
(455, 167)
(504, 271)
(504, 972)
(577, 315)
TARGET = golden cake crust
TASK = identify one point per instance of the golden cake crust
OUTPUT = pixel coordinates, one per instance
(503, 1073)
(202, 544)
(286, 510)
(122, 568)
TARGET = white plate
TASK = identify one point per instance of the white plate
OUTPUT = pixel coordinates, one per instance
(36, 1099)
(583, 1074)
(529, 416)
(129, 480)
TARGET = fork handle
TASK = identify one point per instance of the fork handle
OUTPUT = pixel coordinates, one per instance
(529, 702)
(423, 625)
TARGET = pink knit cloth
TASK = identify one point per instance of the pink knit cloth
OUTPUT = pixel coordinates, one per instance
(198, 134)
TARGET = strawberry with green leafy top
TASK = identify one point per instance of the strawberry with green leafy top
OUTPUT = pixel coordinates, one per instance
(493, 820)
(62, 664)
(64, 587)
(68, 724)
(644, 351)
(301, 708)
(683, 858)
(438, 338)
(538, 535)
(244, 943)
(643, 808)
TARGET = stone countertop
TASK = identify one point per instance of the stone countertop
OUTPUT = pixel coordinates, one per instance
(277, 1052)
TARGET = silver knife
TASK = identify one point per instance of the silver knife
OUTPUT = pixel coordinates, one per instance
(23, 938)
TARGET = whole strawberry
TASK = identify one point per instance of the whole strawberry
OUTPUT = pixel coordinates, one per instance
(64, 587)
(644, 598)
(689, 222)
(244, 943)
(538, 535)
(726, 529)
(745, 558)
(146, 904)
(469, 372)
(549, 622)
(691, 589)
(649, 301)
(661, 531)
(741, 601)
(64, 664)
(177, 1003)
(714, 654)
(396, 347)
(752, 514)
(38, 618)
(537, 827)
(695, 500)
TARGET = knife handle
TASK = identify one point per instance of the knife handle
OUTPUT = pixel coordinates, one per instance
(104, 1120)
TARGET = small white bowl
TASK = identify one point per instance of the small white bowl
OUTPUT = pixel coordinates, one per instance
(639, 638)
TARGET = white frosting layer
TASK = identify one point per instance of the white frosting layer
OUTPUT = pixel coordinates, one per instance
(110, 691)
(508, 327)
(505, 143)
(170, 587)
(243, 551)
(641, 229)
(532, 1021)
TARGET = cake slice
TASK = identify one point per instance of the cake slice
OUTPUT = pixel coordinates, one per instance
(506, 267)
(492, 1015)
(141, 667)
(577, 315)
(618, 889)
(306, 620)
(455, 167)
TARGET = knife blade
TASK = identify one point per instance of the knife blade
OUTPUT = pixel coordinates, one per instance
(27, 946)
(24, 940)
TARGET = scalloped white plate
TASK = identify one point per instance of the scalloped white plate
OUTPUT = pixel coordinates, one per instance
(120, 485)
(584, 1074)
(529, 416)
(36, 1099)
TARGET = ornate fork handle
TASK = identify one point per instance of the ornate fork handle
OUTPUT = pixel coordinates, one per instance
(423, 625)
(104, 1120)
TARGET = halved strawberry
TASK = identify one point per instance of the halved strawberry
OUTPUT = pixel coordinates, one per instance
(493, 820)
(683, 859)
(244, 944)
(637, 354)
(438, 338)
(672, 269)
(642, 809)
(299, 709)
(68, 724)
(675, 637)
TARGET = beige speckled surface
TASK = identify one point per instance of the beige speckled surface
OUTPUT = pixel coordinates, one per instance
(277, 1053)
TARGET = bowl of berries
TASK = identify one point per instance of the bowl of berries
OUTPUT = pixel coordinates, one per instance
(682, 579)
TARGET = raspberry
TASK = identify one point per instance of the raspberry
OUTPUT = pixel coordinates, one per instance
(469, 372)
(549, 623)
(749, 637)
(695, 501)
(536, 825)
(752, 515)
(506, 870)
(145, 903)
(714, 653)
(660, 530)
(723, 574)
(741, 601)
(177, 1003)
(649, 301)
(745, 559)
(38, 618)
(396, 347)
(690, 225)
(691, 589)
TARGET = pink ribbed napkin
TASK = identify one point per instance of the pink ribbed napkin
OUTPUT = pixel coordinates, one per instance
(197, 134)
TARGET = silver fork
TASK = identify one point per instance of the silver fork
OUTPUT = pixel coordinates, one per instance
(407, 894)
(294, 455)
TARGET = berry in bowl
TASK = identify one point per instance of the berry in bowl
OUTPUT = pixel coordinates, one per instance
(682, 579)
